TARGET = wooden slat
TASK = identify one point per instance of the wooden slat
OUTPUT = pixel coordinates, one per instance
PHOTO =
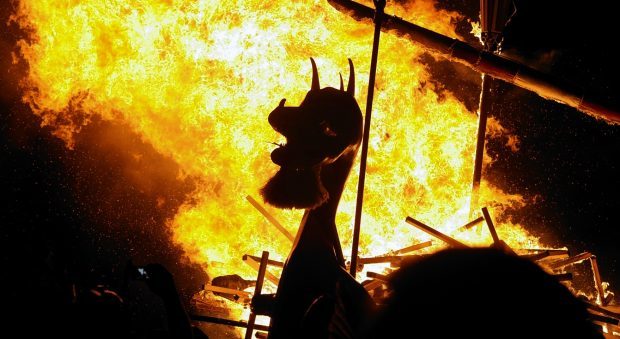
(429, 230)
(377, 276)
(373, 284)
(471, 224)
(270, 218)
(219, 289)
(262, 269)
(597, 280)
(568, 261)
(491, 226)
(413, 248)
(222, 321)
(255, 265)
(270, 263)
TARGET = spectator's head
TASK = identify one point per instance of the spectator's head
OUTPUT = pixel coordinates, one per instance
(479, 293)
(99, 313)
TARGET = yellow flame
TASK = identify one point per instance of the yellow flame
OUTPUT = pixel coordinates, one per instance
(197, 79)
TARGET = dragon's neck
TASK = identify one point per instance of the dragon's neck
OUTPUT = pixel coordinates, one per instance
(316, 263)
(317, 230)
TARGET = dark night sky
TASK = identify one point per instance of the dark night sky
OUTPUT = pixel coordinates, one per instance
(569, 161)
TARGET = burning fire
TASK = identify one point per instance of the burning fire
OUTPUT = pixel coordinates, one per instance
(197, 79)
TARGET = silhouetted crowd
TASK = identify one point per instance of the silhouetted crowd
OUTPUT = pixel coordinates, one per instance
(138, 302)
(468, 293)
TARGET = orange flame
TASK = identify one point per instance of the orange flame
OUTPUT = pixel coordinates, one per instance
(197, 79)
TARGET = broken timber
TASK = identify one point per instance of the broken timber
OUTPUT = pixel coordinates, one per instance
(423, 227)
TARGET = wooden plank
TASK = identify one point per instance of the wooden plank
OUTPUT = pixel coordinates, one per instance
(536, 256)
(563, 276)
(271, 262)
(255, 265)
(429, 230)
(471, 224)
(597, 280)
(601, 319)
(262, 269)
(377, 276)
(222, 321)
(602, 310)
(373, 284)
(270, 218)
(241, 294)
(413, 248)
(568, 261)
(491, 226)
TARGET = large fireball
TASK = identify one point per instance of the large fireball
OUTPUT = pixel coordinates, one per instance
(197, 79)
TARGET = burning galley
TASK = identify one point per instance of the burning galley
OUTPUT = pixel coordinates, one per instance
(373, 188)
(323, 135)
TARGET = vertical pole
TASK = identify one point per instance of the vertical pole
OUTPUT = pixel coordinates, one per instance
(484, 108)
(494, 14)
(380, 6)
(598, 282)
(491, 226)
(264, 260)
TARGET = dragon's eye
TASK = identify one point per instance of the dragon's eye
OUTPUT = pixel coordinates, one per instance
(326, 129)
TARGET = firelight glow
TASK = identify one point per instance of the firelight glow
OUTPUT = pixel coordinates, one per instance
(197, 79)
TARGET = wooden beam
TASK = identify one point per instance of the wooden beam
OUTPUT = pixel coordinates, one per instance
(262, 269)
(608, 299)
(552, 251)
(568, 261)
(394, 260)
(373, 284)
(381, 259)
(270, 217)
(429, 230)
(602, 319)
(406, 259)
(270, 262)
(596, 308)
(471, 224)
(563, 276)
(413, 248)
(536, 256)
(218, 289)
(377, 276)
(256, 265)
(597, 280)
(228, 322)
(491, 226)
(553, 254)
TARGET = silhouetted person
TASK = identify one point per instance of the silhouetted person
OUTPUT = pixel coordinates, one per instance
(479, 293)
(98, 313)
(161, 282)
